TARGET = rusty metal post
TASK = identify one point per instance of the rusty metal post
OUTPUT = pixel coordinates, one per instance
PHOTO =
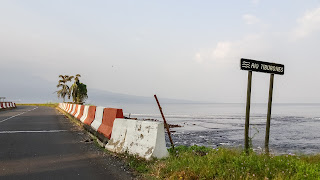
(247, 122)
(165, 122)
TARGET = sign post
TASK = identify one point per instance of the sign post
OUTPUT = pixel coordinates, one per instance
(265, 67)
(246, 126)
(266, 141)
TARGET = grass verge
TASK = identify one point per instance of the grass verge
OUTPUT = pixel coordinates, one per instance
(197, 162)
(46, 104)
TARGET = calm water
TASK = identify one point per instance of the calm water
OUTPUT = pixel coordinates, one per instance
(294, 127)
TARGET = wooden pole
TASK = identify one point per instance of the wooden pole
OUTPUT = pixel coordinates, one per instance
(246, 128)
(266, 143)
(165, 122)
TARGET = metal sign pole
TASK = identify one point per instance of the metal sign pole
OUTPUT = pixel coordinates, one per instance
(266, 143)
(246, 129)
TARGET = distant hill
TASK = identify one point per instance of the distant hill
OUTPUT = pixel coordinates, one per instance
(24, 88)
(100, 97)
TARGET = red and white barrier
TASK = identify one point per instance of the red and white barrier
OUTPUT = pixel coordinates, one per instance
(73, 107)
(81, 109)
(7, 105)
(67, 107)
(75, 110)
(85, 113)
(98, 118)
(90, 116)
(143, 138)
(109, 115)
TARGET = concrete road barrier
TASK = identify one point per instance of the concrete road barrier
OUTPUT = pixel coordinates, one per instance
(143, 138)
(69, 107)
(90, 116)
(66, 107)
(6, 105)
(85, 113)
(98, 118)
(78, 111)
(109, 115)
(75, 110)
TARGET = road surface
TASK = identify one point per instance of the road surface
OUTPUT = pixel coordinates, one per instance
(40, 143)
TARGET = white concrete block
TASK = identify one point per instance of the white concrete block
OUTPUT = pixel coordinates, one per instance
(143, 138)
(73, 109)
(78, 111)
(70, 108)
(85, 113)
(97, 118)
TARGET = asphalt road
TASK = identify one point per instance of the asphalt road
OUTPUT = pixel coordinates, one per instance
(40, 143)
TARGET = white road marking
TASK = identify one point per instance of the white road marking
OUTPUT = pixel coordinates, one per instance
(18, 114)
(45, 131)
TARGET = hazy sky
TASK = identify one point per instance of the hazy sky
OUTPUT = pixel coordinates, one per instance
(177, 49)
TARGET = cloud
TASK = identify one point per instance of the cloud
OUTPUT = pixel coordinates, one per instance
(250, 19)
(278, 46)
(250, 46)
(255, 2)
(222, 50)
(308, 24)
(203, 55)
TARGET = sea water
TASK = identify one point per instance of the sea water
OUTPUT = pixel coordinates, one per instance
(295, 128)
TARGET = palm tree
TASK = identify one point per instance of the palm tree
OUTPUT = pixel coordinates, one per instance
(74, 88)
(78, 90)
(82, 93)
(65, 90)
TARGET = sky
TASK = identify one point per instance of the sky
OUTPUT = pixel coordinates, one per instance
(180, 49)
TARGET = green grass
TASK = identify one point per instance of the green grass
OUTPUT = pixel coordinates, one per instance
(224, 163)
(46, 104)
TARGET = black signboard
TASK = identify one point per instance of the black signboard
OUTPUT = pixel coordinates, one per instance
(259, 66)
